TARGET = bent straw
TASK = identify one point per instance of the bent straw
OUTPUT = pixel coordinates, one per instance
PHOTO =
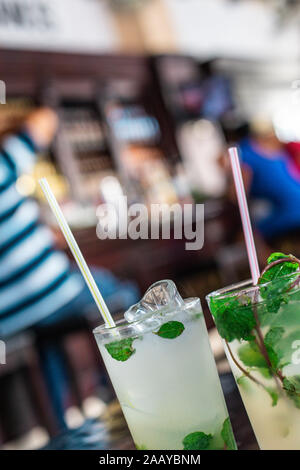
(244, 211)
(76, 253)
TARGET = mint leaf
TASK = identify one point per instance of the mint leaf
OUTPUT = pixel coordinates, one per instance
(233, 319)
(266, 373)
(271, 341)
(197, 441)
(121, 350)
(140, 447)
(250, 355)
(228, 436)
(284, 347)
(273, 394)
(273, 294)
(170, 330)
(292, 385)
(273, 336)
(276, 256)
(242, 381)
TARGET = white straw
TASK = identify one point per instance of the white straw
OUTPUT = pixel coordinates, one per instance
(244, 211)
(76, 252)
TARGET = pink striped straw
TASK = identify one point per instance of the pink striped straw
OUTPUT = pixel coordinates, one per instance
(244, 211)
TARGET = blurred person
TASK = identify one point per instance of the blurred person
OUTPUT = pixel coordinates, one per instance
(293, 149)
(38, 285)
(271, 176)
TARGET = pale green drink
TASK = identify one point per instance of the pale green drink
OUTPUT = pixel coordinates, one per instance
(164, 374)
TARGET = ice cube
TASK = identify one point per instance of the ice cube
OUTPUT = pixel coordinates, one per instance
(161, 297)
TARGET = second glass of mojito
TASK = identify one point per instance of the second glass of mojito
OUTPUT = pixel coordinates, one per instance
(260, 326)
(163, 371)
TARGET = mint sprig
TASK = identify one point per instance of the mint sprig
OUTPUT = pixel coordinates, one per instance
(292, 385)
(121, 350)
(251, 356)
(242, 381)
(233, 319)
(289, 265)
(271, 341)
(170, 330)
(239, 317)
(278, 280)
(197, 441)
(201, 441)
(234, 316)
(228, 436)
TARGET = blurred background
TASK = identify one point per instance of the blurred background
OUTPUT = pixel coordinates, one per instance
(148, 94)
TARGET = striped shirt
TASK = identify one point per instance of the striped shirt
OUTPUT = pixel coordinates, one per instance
(35, 279)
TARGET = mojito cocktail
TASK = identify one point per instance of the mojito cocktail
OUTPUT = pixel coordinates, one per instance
(260, 326)
(163, 371)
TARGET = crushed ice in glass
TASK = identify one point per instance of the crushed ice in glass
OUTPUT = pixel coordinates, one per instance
(160, 299)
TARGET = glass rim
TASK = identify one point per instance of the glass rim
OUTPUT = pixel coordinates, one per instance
(244, 287)
(141, 326)
(120, 325)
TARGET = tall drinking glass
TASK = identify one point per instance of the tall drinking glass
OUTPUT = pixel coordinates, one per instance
(260, 326)
(163, 371)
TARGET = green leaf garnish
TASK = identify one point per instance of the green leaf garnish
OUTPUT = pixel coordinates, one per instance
(250, 355)
(284, 348)
(292, 385)
(266, 353)
(170, 330)
(233, 319)
(271, 341)
(265, 372)
(121, 350)
(276, 256)
(242, 381)
(273, 394)
(273, 293)
(228, 436)
(140, 447)
(197, 441)
(274, 335)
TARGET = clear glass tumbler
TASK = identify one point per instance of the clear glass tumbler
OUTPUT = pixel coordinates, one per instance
(163, 371)
(260, 327)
